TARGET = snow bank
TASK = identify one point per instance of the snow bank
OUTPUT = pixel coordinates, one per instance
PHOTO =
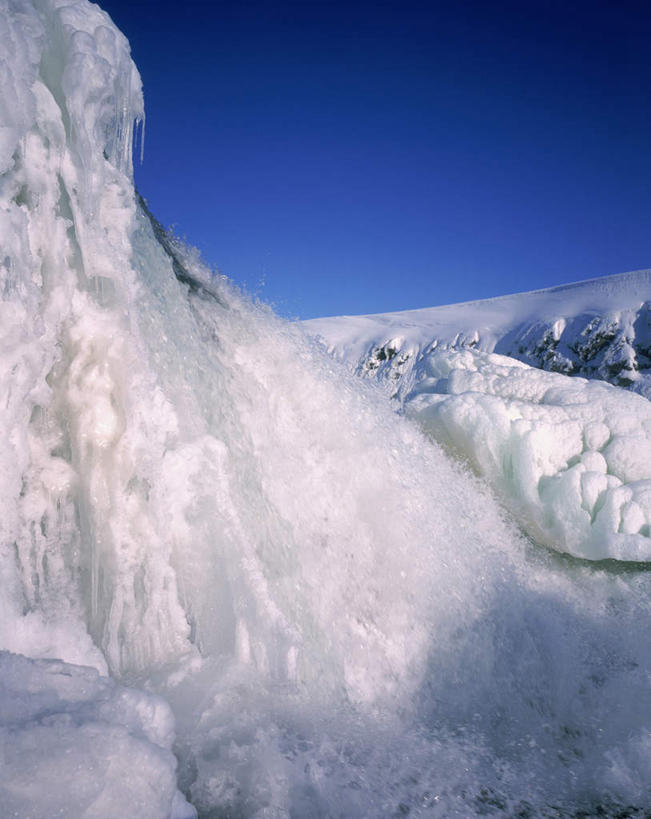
(571, 458)
(73, 743)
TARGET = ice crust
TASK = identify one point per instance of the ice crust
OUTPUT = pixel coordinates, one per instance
(197, 501)
(571, 458)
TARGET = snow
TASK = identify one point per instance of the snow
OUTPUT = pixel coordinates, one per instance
(599, 328)
(570, 458)
(73, 743)
(211, 530)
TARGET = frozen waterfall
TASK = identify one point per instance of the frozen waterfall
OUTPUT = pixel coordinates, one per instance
(207, 521)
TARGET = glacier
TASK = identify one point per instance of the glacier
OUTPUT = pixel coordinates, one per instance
(233, 581)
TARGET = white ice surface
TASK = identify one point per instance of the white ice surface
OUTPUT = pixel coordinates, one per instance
(75, 744)
(571, 458)
(197, 499)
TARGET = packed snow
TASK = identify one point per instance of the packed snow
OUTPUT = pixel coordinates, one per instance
(233, 581)
(74, 743)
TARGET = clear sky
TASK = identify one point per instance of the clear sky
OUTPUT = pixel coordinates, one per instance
(342, 158)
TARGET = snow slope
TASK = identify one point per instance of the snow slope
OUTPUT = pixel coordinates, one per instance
(570, 458)
(201, 511)
(599, 328)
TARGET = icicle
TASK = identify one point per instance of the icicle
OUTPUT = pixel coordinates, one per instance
(142, 138)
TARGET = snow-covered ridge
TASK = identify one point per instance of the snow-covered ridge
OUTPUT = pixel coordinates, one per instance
(599, 328)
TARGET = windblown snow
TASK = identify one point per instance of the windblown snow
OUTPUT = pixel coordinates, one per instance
(233, 582)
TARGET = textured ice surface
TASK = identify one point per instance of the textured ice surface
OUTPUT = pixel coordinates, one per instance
(73, 743)
(571, 458)
(69, 93)
(197, 499)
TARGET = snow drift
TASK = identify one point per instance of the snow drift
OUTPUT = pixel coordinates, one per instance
(201, 511)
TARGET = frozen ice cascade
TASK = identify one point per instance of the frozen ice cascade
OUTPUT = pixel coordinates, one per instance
(233, 582)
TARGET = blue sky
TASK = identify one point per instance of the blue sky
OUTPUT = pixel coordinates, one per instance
(342, 158)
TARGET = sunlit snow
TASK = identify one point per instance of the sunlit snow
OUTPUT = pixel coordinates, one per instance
(233, 581)
(571, 458)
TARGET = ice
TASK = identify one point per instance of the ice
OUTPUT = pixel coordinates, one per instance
(571, 458)
(199, 507)
(73, 743)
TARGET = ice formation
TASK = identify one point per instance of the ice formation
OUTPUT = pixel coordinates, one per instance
(202, 511)
(73, 743)
(570, 457)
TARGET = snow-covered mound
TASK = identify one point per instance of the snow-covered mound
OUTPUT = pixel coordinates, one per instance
(75, 744)
(197, 501)
(570, 457)
(531, 433)
(599, 328)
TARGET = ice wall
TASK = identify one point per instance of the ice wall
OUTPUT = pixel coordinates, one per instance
(183, 471)
(196, 499)
(152, 503)
(74, 368)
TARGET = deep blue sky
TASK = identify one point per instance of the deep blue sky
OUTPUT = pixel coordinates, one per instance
(365, 157)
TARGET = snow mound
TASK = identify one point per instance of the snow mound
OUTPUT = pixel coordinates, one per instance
(73, 743)
(570, 457)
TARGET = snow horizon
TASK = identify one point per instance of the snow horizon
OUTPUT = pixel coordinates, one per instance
(355, 158)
